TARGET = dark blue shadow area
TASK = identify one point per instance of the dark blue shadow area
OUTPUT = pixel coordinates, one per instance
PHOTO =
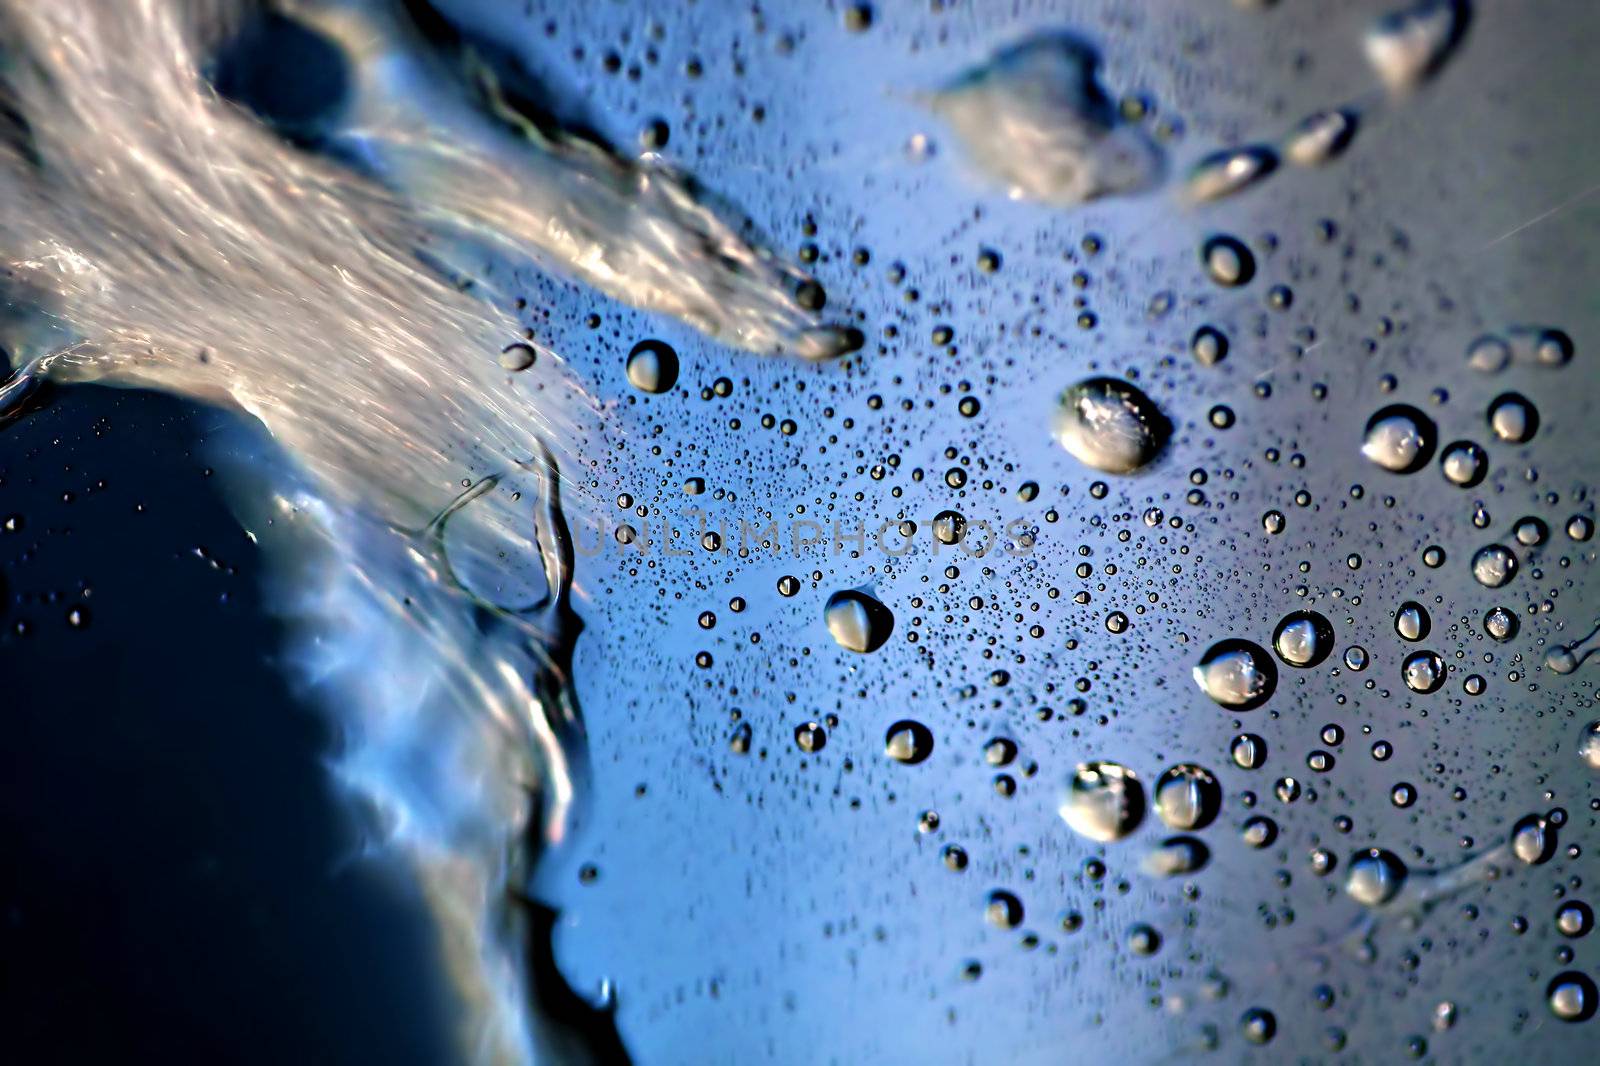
(176, 871)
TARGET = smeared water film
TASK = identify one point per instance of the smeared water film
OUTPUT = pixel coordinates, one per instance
(879, 532)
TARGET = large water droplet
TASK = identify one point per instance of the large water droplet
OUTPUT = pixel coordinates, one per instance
(1423, 671)
(1375, 877)
(1320, 137)
(1533, 839)
(1237, 674)
(1110, 425)
(1494, 565)
(1407, 47)
(1226, 172)
(1188, 797)
(1463, 463)
(1572, 996)
(1303, 639)
(908, 741)
(1411, 621)
(1227, 261)
(1400, 439)
(1036, 118)
(1104, 801)
(857, 621)
(1176, 856)
(1589, 745)
(1513, 418)
(652, 366)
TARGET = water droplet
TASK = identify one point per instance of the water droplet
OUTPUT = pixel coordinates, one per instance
(1589, 745)
(1109, 425)
(1209, 345)
(1226, 172)
(1036, 118)
(1424, 671)
(1227, 261)
(1489, 354)
(1500, 623)
(1303, 639)
(1249, 752)
(1408, 46)
(1003, 910)
(1464, 463)
(1574, 918)
(1494, 565)
(1355, 657)
(1321, 137)
(1375, 877)
(1104, 801)
(810, 736)
(1236, 674)
(1513, 418)
(1258, 1025)
(1400, 439)
(908, 741)
(1177, 856)
(652, 366)
(1533, 839)
(858, 622)
(949, 527)
(517, 357)
(1143, 940)
(1259, 831)
(1572, 996)
(1412, 621)
(1188, 797)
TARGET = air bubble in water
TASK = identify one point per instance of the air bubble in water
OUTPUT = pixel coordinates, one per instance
(1400, 439)
(1375, 877)
(1187, 797)
(1110, 425)
(1236, 674)
(858, 622)
(1303, 639)
(908, 741)
(652, 366)
(1104, 801)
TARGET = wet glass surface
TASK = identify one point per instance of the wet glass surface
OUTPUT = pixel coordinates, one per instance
(1249, 343)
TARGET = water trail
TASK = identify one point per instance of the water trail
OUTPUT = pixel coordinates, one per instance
(156, 235)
